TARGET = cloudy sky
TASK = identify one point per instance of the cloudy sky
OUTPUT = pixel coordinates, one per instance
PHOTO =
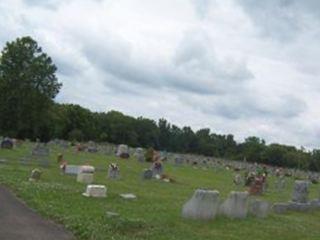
(244, 67)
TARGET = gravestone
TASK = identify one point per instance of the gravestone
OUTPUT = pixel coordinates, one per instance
(7, 143)
(99, 191)
(300, 192)
(41, 153)
(157, 169)
(92, 149)
(123, 151)
(85, 178)
(35, 175)
(25, 160)
(72, 169)
(112, 214)
(147, 174)
(280, 183)
(236, 205)
(280, 208)
(237, 180)
(315, 204)
(178, 161)
(64, 144)
(86, 169)
(128, 196)
(300, 207)
(259, 208)
(203, 205)
(139, 154)
(113, 171)
(40, 150)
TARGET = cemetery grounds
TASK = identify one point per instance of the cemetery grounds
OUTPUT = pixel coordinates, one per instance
(156, 213)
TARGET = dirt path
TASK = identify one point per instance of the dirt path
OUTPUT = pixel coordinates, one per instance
(18, 222)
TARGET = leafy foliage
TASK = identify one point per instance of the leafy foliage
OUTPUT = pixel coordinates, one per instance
(28, 86)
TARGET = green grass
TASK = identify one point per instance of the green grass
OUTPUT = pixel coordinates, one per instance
(156, 214)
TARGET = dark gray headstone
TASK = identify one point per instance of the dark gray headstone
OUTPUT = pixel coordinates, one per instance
(113, 171)
(280, 207)
(7, 143)
(259, 208)
(147, 174)
(301, 191)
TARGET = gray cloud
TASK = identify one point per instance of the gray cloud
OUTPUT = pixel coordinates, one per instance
(282, 19)
(194, 67)
(202, 7)
(198, 63)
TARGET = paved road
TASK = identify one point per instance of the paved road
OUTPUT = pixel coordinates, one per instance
(18, 222)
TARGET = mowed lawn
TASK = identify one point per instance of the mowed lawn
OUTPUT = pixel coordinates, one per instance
(156, 214)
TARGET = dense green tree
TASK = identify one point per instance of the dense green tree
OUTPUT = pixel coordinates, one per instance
(252, 149)
(27, 87)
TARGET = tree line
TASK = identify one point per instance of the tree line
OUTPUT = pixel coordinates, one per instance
(28, 86)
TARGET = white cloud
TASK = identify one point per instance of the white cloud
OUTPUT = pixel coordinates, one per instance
(243, 67)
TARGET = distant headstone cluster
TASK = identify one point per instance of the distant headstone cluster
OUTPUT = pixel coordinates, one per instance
(204, 204)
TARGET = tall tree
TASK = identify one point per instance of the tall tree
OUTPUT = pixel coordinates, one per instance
(28, 85)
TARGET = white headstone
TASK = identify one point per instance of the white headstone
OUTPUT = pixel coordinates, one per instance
(128, 196)
(72, 169)
(123, 151)
(86, 169)
(95, 191)
(85, 177)
(203, 205)
(236, 205)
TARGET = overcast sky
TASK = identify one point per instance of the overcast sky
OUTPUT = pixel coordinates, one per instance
(244, 67)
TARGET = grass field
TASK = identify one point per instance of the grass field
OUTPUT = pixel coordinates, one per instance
(156, 214)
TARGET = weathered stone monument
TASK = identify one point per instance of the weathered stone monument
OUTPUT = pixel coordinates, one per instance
(7, 143)
(123, 151)
(237, 180)
(157, 169)
(259, 208)
(299, 200)
(139, 154)
(113, 171)
(72, 169)
(128, 196)
(40, 150)
(280, 208)
(280, 183)
(92, 147)
(147, 174)
(99, 191)
(300, 192)
(236, 205)
(85, 174)
(85, 178)
(41, 154)
(178, 161)
(203, 205)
